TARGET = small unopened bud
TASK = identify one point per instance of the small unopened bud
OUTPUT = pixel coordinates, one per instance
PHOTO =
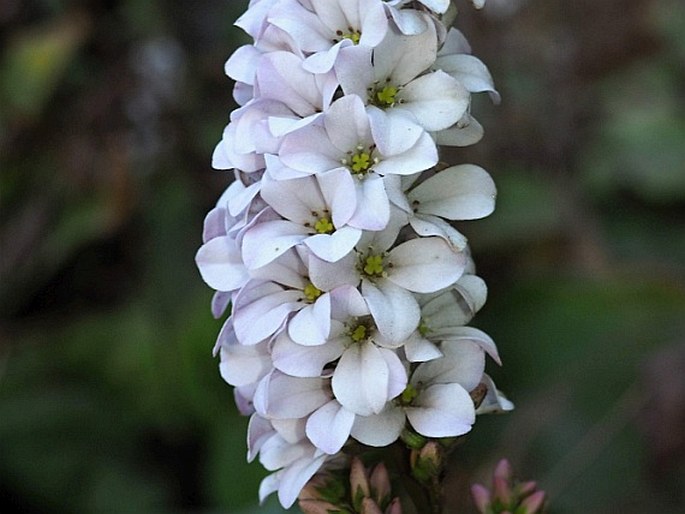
(481, 497)
(395, 507)
(508, 496)
(317, 507)
(533, 503)
(359, 479)
(380, 484)
(370, 507)
(427, 462)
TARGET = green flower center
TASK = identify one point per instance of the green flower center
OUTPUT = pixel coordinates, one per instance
(353, 35)
(408, 395)
(359, 333)
(323, 226)
(423, 328)
(373, 265)
(361, 162)
(386, 96)
(311, 292)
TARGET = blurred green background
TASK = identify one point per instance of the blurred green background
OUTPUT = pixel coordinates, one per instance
(110, 400)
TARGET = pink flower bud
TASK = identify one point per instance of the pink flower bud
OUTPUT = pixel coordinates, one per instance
(533, 504)
(481, 497)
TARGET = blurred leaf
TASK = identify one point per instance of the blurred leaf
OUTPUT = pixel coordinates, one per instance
(36, 60)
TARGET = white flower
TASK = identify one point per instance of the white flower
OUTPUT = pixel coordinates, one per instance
(330, 26)
(395, 79)
(436, 402)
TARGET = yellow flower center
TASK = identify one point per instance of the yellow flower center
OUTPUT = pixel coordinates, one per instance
(358, 334)
(361, 162)
(386, 97)
(373, 265)
(323, 226)
(311, 292)
(353, 35)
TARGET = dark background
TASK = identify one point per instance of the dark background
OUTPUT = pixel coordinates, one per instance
(110, 400)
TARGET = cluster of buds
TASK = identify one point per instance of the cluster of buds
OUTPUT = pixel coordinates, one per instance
(349, 289)
(508, 496)
(366, 492)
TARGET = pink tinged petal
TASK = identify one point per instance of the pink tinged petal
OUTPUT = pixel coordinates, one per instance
(242, 365)
(330, 13)
(327, 276)
(463, 363)
(438, 6)
(266, 241)
(277, 170)
(323, 61)
(280, 76)
(241, 201)
(276, 452)
(347, 302)
(379, 429)
(291, 430)
(408, 21)
(220, 264)
(310, 150)
(467, 131)
(242, 93)
(293, 199)
(468, 70)
(288, 270)
(301, 24)
(401, 58)
(254, 19)
(335, 246)
(259, 430)
(427, 225)
(347, 124)
(339, 192)
(312, 325)
(282, 126)
(393, 308)
(281, 396)
(455, 43)
(463, 192)
(420, 157)
(304, 361)
(372, 205)
(474, 290)
(425, 265)
(374, 22)
(393, 188)
(214, 224)
(381, 240)
(394, 131)
(354, 70)
(397, 381)
(437, 100)
(360, 380)
(260, 310)
(243, 399)
(480, 338)
(329, 427)
(220, 301)
(420, 349)
(296, 476)
(442, 410)
(242, 64)
(268, 486)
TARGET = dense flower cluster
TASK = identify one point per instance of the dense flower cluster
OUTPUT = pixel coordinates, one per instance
(349, 288)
